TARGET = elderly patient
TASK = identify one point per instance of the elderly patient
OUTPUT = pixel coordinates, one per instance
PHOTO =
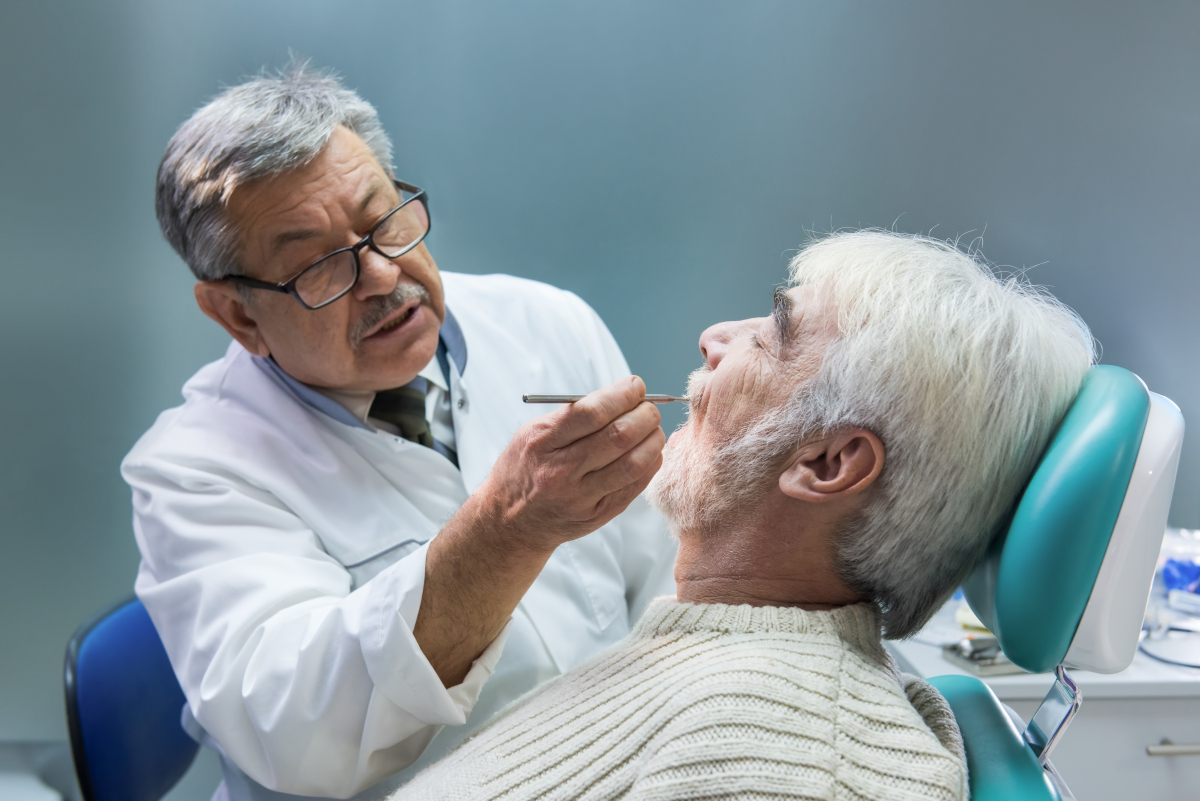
(845, 463)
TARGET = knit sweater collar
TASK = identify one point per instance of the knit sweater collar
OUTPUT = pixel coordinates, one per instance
(857, 624)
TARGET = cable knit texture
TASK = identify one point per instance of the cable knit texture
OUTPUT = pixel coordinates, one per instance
(716, 701)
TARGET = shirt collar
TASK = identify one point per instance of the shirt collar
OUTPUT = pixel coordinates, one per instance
(433, 375)
(456, 346)
(351, 407)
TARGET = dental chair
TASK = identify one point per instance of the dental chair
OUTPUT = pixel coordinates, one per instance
(1066, 585)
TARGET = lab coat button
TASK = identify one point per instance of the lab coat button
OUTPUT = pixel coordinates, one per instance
(461, 402)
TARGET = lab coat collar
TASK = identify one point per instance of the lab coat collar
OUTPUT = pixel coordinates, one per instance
(351, 408)
(308, 395)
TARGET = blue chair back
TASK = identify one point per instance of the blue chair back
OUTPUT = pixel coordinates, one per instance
(123, 709)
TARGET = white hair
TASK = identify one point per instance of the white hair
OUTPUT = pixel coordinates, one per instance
(258, 129)
(964, 376)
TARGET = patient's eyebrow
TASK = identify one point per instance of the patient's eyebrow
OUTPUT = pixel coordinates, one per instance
(782, 313)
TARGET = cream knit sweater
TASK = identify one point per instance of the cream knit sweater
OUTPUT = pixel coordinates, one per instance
(716, 701)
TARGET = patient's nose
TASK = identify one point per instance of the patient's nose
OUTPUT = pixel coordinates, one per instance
(714, 342)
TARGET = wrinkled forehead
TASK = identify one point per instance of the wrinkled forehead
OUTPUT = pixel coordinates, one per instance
(343, 187)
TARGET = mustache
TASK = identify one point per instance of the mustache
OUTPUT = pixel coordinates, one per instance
(378, 308)
(695, 385)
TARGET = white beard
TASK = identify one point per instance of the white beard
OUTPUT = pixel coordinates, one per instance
(679, 490)
(700, 487)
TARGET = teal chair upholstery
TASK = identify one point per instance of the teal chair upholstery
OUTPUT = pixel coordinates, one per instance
(1066, 584)
(1000, 764)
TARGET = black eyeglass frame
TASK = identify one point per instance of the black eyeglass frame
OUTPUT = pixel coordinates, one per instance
(288, 287)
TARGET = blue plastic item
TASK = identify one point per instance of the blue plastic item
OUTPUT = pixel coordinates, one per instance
(1034, 585)
(1181, 574)
(1000, 765)
(123, 709)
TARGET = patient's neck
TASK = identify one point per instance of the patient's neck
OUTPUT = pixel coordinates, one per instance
(762, 563)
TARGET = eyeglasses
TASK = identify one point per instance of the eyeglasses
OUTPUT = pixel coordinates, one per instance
(336, 273)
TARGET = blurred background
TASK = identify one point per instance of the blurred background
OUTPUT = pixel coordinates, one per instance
(662, 160)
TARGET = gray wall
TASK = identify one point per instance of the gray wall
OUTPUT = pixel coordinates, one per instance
(660, 159)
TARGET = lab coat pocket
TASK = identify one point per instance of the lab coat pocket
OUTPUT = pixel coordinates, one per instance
(375, 527)
(381, 528)
(391, 497)
(369, 568)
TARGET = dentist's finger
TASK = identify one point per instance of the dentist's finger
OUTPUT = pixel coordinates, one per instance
(572, 422)
(641, 460)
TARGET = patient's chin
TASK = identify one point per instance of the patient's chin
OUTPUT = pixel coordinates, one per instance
(702, 487)
(678, 489)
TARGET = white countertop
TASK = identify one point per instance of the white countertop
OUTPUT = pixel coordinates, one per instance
(1145, 678)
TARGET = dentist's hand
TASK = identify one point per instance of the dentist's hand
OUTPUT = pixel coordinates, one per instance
(569, 472)
(562, 476)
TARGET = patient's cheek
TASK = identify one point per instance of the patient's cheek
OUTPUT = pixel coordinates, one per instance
(732, 412)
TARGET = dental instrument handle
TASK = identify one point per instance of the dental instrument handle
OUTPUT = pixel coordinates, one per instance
(573, 398)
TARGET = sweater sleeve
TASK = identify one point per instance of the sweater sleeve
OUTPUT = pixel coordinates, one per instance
(936, 713)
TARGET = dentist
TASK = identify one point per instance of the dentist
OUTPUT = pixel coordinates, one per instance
(353, 533)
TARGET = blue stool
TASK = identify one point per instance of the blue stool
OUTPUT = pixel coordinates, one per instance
(123, 709)
(1066, 585)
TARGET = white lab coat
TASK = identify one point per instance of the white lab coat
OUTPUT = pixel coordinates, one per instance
(283, 555)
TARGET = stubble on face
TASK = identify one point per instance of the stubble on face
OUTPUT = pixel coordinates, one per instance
(676, 488)
(740, 432)
(702, 485)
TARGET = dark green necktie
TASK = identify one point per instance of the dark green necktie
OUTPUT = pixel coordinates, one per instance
(404, 407)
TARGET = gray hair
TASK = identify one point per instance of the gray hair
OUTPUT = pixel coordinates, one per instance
(964, 375)
(261, 128)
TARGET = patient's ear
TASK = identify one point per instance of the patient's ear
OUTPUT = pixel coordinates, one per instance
(842, 464)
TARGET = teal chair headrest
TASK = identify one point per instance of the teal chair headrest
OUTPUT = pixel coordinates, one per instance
(1035, 583)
